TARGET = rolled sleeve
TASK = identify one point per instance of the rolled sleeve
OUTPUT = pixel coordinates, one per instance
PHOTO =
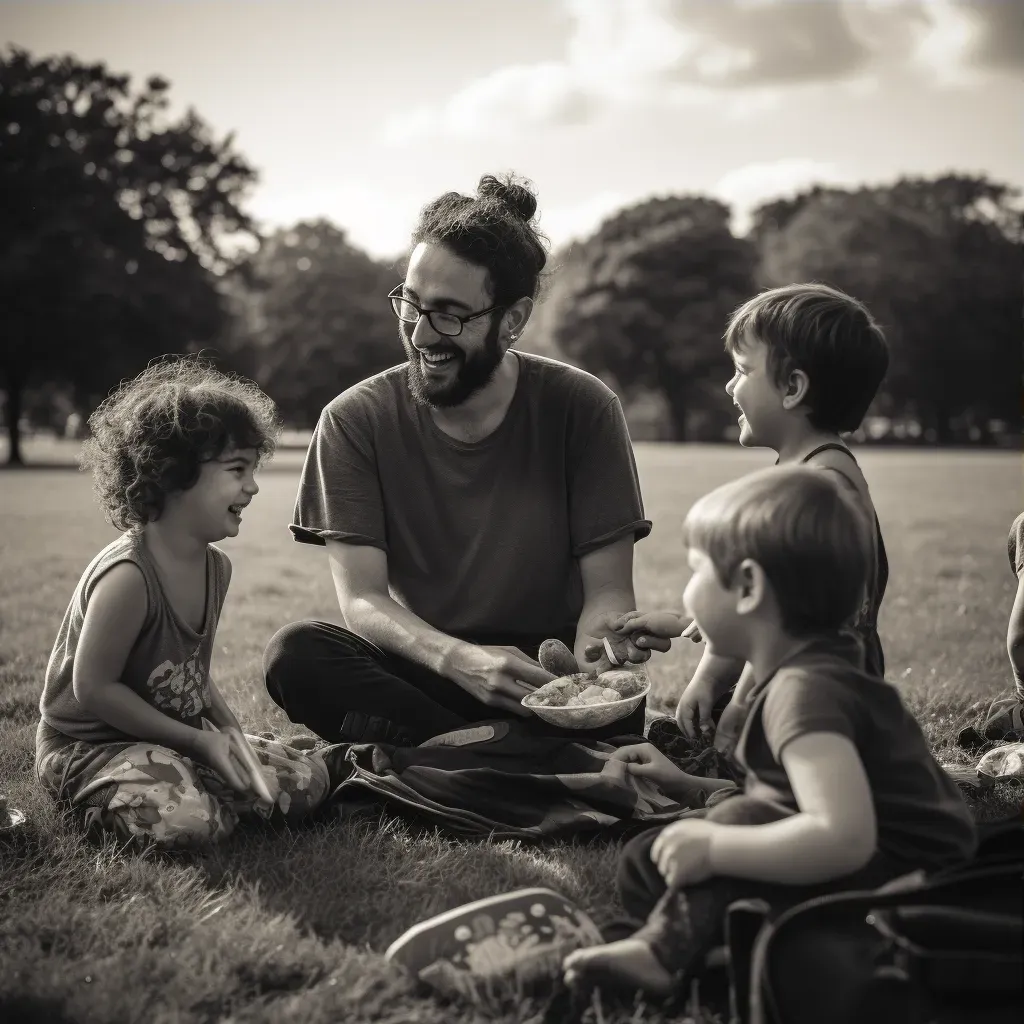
(339, 494)
(800, 702)
(604, 489)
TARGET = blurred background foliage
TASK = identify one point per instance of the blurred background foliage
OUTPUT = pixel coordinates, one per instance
(124, 236)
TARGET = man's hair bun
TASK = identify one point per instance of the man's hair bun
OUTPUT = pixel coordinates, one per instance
(510, 192)
(495, 229)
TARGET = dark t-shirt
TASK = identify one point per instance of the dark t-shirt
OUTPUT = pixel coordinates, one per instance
(922, 818)
(483, 539)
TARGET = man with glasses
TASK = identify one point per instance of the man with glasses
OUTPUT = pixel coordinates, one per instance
(474, 501)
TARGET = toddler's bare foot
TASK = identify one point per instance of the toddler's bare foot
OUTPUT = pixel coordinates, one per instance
(628, 963)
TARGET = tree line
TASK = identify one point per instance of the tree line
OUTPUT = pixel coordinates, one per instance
(125, 236)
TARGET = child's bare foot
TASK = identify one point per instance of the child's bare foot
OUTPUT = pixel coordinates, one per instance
(628, 963)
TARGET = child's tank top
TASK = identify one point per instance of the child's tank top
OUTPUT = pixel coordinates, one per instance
(866, 624)
(169, 663)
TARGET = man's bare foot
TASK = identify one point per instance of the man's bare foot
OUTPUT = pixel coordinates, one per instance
(628, 963)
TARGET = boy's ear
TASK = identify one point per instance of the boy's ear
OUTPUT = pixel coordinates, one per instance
(797, 387)
(751, 586)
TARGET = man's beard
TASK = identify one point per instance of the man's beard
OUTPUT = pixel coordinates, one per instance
(473, 372)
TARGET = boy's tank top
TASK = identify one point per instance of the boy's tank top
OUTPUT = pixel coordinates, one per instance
(169, 663)
(866, 624)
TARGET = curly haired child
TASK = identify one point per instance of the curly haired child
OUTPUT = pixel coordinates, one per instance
(134, 736)
(839, 788)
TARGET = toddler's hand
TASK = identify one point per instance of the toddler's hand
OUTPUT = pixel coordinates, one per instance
(664, 625)
(613, 652)
(656, 630)
(682, 853)
(612, 646)
(633, 636)
(648, 762)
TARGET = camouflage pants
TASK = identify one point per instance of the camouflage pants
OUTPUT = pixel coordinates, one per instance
(155, 795)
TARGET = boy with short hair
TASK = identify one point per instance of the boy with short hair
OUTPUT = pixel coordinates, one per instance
(839, 787)
(808, 361)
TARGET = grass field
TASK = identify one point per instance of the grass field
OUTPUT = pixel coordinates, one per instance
(291, 927)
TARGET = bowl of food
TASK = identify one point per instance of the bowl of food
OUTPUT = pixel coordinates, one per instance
(585, 701)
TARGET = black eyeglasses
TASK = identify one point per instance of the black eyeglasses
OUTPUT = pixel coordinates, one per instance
(448, 324)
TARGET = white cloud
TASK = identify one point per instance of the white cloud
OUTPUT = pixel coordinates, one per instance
(519, 96)
(375, 220)
(747, 187)
(737, 53)
(966, 39)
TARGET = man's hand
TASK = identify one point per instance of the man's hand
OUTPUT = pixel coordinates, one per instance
(634, 635)
(648, 762)
(499, 677)
(631, 643)
(682, 853)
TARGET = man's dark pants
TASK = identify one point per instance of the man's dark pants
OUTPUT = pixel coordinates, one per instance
(345, 690)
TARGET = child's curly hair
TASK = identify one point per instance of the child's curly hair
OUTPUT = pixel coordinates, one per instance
(151, 436)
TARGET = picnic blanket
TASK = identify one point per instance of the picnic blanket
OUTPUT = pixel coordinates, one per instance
(502, 779)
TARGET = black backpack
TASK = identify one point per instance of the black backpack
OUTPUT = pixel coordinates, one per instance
(939, 949)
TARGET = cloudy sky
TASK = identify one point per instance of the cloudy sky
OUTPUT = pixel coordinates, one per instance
(362, 110)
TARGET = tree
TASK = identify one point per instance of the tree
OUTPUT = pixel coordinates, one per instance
(646, 299)
(939, 264)
(318, 318)
(116, 222)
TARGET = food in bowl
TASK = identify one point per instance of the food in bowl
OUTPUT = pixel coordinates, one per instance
(582, 689)
(626, 682)
(557, 659)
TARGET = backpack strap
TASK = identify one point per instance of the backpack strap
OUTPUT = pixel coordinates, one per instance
(955, 903)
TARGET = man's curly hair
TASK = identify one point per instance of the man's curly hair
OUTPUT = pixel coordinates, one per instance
(151, 436)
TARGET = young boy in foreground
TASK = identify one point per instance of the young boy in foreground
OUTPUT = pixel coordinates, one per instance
(839, 787)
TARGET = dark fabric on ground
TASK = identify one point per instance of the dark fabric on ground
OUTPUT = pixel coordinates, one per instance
(501, 779)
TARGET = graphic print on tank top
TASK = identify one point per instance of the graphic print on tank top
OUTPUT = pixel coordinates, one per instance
(181, 689)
